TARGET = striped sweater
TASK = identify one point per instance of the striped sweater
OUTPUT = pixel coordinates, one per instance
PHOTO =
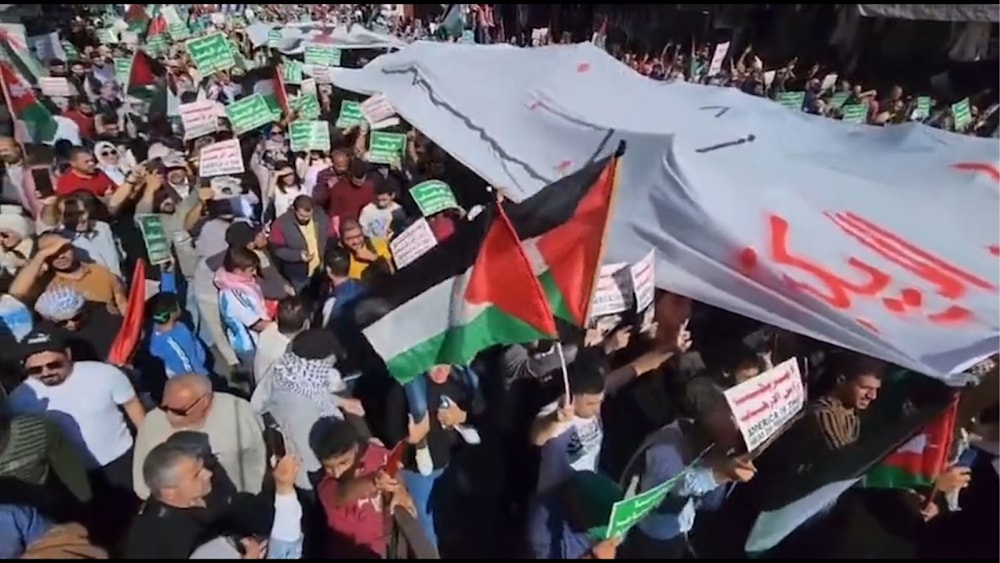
(31, 447)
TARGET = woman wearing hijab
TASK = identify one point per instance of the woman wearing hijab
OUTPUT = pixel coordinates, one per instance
(16, 244)
(285, 187)
(110, 162)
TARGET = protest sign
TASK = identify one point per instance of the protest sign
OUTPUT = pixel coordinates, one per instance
(644, 280)
(762, 405)
(717, 58)
(923, 109)
(220, 159)
(153, 235)
(71, 53)
(178, 31)
(412, 243)
(350, 114)
(855, 113)
(613, 293)
(306, 106)
(56, 86)
(309, 136)
(211, 53)
(274, 38)
(433, 196)
(386, 148)
(322, 55)
(321, 74)
(107, 36)
(839, 99)
(157, 44)
(828, 81)
(308, 86)
(249, 113)
(377, 108)
(292, 71)
(122, 67)
(962, 114)
(199, 118)
(792, 100)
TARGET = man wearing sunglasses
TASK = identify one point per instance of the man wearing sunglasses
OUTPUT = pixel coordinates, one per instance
(90, 328)
(86, 399)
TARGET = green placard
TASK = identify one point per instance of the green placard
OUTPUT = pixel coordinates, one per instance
(839, 99)
(923, 109)
(107, 36)
(178, 31)
(122, 67)
(157, 243)
(386, 148)
(322, 55)
(211, 53)
(350, 114)
(71, 53)
(274, 38)
(309, 136)
(157, 44)
(792, 100)
(306, 106)
(961, 111)
(856, 113)
(433, 196)
(274, 106)
(249, 113)
(292, 73)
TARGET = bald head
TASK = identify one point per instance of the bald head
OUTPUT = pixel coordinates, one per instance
(188, 385)
(186, 400)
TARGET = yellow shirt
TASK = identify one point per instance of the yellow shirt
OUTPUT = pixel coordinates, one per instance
(381, 250)
(312, 244)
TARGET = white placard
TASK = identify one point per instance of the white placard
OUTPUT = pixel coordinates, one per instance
(644, 281)
(385, 124)
(199, 118)
(321, 74)
(56, 86)
(828, 81)
(762, 405)
(308, 86)
(412, 243)
(608, 295)
(377, 109)
(769, 78)
(720, 55)
(221, 159)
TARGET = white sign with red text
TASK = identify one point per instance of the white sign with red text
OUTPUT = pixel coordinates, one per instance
(762, 405)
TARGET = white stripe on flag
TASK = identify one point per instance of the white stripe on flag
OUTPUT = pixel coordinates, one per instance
(772, 527)
(425, 316)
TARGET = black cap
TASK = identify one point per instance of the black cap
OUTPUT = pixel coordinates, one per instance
(241, 233)
(38, 341)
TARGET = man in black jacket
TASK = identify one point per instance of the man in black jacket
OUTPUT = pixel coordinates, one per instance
(184, 510)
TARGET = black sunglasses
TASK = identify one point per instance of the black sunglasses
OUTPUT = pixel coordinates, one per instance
(184, 410)
(51, 366)
(109, 153)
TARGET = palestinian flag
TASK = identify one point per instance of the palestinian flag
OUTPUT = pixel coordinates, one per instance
(563, 228)
(919, 461)
(39, 125)
(20, 59)
(272, 87)
(136, 18)
(144, 76)
(473, 291)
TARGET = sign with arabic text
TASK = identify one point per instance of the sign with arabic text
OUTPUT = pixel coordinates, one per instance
(211, 53)
(762, 405)
(248, 113)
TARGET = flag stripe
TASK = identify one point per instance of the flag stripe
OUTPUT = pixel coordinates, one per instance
(896, 477)
(430, 313)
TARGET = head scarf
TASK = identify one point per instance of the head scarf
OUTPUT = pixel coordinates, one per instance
(316, 380)
(115, 171)
(59, 303)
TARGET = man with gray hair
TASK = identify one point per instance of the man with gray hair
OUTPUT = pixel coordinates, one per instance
(232, 429)
(184, 509)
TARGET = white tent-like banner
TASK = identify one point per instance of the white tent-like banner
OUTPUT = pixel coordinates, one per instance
(880, 240)
(296, 36)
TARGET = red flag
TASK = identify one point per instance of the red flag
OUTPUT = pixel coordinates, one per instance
(128, 337)
(279, 89)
